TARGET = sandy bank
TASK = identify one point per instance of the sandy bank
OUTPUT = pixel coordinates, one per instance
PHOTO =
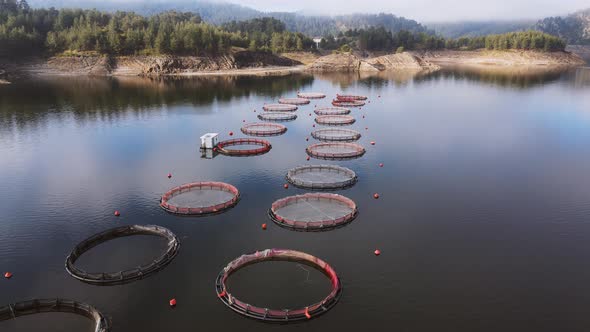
(508, 58)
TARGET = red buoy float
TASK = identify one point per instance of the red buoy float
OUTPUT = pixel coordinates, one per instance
(7, 275)
(231, 133)
(377, 252)
(172, 302)
(263, 226)
(286, 186)
(381, 165)
(169, 175)
(376, 196)
(372, 143)
(117, 213)
(307, 158)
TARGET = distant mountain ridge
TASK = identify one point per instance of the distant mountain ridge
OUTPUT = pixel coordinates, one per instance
(574, 28)
(219, 13)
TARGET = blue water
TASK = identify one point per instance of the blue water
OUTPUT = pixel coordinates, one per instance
(482, 219)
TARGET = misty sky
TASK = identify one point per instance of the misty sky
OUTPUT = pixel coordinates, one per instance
(430, 10)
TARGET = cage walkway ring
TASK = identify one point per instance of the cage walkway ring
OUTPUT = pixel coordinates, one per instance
(332, 111)
(277, 116)
(313, 212)
(279, 108)
(335, 120)
(336, 135)
(37, 306)
(212, 205)
(263, 129)
(264, 147)
(321, 177)
(348, 103)
(278, 315)
(311, 95)
(335, 150)
(350, 97)
(294, 101)
(122, 277)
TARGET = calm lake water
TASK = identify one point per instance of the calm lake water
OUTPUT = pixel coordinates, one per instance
(483, 220)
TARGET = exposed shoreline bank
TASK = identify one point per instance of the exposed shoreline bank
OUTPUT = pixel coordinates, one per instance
(247, 63)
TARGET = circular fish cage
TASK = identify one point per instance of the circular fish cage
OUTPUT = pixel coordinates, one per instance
(279, 108)
(122, 277)
(335, 120)
(311, 95)
(350, 97)
(313, 211)
(200, 198)
(348, 103)
(277, 116)
(332, 111)
(263, 129)
(38, 306)
(294, 101)
(335, 151)
(321, 177)
(242, 147)
(336, 135)
(278, 315)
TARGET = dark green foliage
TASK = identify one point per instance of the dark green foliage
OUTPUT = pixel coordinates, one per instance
(269, 34)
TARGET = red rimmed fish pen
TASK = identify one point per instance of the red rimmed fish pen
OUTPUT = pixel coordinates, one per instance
(348, 103)
(294, 101)
(336, 135)
(278, 315)
(122, 277)
(279, 108)
(335, 120)
(264, 147)
(263, 129)
(335, 151)
(311, 95)
(313, 211)
(321, 177)
(200, 198)
(350, 97)
(277, 116)
(332, 111)
(39, 306)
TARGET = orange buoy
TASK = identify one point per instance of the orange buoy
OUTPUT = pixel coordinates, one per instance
(307, 315)
(231, 133)
(377, 252)
(381, 165)
(7, 275)
(172, 302)
(169, 175)
(117, 213)
(264, 226)
(372, 143)
(286, 186)
(376, 196)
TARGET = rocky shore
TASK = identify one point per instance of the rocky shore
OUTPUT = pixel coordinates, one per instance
(259, 63)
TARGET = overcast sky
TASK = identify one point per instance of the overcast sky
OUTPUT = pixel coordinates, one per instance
(430, 10)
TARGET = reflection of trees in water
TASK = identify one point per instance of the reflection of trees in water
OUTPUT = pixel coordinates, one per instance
(372, 79)
(29, 101)
(512, 77)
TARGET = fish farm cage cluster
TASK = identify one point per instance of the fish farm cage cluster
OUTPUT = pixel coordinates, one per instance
(313, 211)
(263, 129)
(336, 135)
(121, 277)
(200, 198)
(278, 315)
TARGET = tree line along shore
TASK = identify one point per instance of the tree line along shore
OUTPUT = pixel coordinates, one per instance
(26, 32)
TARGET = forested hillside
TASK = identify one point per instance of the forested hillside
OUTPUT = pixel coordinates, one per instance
(574, 28)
